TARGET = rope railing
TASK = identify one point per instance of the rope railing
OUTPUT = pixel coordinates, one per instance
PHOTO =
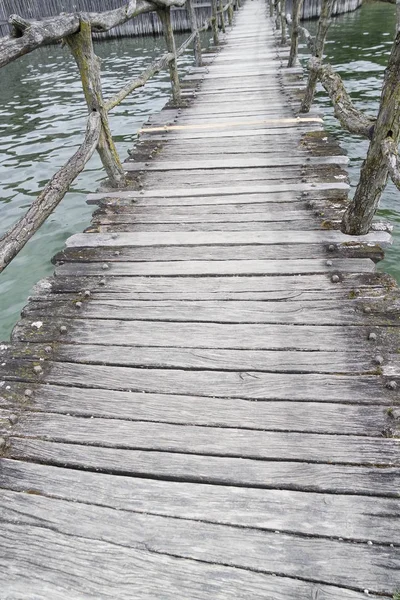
(76, 31)
(382, 160)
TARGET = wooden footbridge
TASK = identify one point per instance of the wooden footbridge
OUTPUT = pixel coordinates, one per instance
(202, 403)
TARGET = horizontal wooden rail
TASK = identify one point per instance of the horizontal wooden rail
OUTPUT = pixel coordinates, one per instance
(15, 239)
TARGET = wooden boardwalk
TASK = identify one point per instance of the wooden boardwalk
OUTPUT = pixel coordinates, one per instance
(203, 402)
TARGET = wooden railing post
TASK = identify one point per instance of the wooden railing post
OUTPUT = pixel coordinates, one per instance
(283, 21)
(271, 8)
(81, 46)
(193, 25)
(222, 15)
(230, 15)
(358, 217)
(323, 26)
(165, 16)
(214, 19)
(296, 11)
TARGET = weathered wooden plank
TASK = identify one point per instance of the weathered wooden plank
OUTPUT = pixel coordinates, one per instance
(151, 217)
(234, 238)
(252, 385)
(310, 224)
(358, 360)
(228, 287)
(260, 252)
(199, 335)
(208, 213)
(226, 132)
(359, 565)
(372, 518)
(226, 195)
(64, 567)
(210, 441)
(216, 267)
(307, 417)
(234, 163)
(346, 479)
(296, 312)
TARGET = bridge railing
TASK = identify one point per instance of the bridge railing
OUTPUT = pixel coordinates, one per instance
(76, 31)
(383, 131)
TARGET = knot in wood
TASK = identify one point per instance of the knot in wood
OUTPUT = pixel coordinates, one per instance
(391, 385)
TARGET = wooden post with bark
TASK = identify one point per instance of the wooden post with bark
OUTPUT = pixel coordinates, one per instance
(214, 20)
(193, 26)
(323, 26)
(222, 15)
(230, 14)
(165, 16)
(81, 46)
(283, 22)
(380, 162)
(294, 46)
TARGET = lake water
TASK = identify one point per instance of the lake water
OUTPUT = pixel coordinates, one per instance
(43, 115)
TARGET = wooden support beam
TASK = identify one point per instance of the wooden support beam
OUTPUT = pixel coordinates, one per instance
(81, 46)
(165, 17)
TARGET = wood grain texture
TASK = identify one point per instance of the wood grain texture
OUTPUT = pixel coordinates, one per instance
(311, 417)
(89, 569)
(200, 238)
(197, 335)
(216, 267)
(210, 441)
(242, 472)
(328, 312)
(266, 552)
(286, 511)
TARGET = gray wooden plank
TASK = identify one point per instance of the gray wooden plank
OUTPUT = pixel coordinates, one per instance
(210, 441)
(255, 211)
(358, 360)
(235, 238)
(327, 312)
(287, 511)
(310, 224)
(229, 131)
(156, 253)
(252, 385)
(216, 267)
(65, 568)
(233, 163)
(357, 565)
(307, 417)
(200, 335)
(251, 219)
(226, 287)
(226, 195)
(330, 478)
